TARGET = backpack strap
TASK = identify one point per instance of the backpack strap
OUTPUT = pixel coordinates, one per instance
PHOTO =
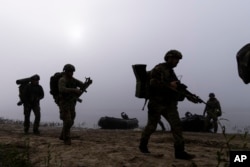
(145, 102)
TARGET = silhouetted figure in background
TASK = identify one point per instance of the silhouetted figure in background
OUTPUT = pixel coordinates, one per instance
(30, 97)
(124, 115)
(213, 110)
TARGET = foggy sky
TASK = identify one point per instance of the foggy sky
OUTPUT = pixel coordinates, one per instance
(103, 38)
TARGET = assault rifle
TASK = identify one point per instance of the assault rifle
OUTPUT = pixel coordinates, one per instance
(182, 89)
(83, 89)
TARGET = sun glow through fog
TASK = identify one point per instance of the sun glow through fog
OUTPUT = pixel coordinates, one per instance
(76, 34)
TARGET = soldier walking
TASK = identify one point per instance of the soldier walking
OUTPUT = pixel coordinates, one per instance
(32, 95)
(69, 90)
(213, 110)
(163, 101)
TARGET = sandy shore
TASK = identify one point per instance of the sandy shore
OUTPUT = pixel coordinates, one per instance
(114, 148)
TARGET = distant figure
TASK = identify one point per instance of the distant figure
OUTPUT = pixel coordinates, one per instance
(124, 115)
(69, 91)
(32, 95)
(213, 110)
(162, 125)
(163, 101)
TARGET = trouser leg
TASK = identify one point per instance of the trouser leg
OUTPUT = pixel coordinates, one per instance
(67, 113)
(172, 116)
(68, 123)
(62, 135)
(153, 119)
(215, 123)
(207, 124)
(27, 111)
(66, 130)
(37, 114)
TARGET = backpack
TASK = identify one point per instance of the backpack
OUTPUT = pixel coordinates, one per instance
(23, 87)
(54, 91)
(142, 82)
(243, 62)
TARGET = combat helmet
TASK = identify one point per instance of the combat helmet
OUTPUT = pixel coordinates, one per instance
(69, 68)
(211, 95)
(173, 53)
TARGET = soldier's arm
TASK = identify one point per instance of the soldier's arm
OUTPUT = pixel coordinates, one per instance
(204, 112)
(79, 83)
(205, 109)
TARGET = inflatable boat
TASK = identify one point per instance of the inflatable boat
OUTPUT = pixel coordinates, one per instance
(117, 123)
(194, 123)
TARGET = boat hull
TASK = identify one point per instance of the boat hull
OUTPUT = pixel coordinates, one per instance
(117, 123)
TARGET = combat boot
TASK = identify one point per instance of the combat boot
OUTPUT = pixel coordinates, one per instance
(181, 154)
(26, 130)
(184, 155)
(61, 137)
(67, 141)
(215, 128)
(36, 131)
(144, 146)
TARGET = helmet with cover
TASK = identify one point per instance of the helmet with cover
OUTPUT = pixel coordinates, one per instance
(68, 68)
(211, 95)
(173, 53)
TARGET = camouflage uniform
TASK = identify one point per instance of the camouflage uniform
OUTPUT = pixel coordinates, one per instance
(163, 101)
(212, 108)
(164, 95)
(33, 94)
(67, 103)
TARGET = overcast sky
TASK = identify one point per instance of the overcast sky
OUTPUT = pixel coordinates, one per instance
(103, 38)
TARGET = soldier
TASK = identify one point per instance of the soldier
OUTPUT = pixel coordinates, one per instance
(33, 94)
(124, 115)
(163, 101)
(213, 110)
(69, 91)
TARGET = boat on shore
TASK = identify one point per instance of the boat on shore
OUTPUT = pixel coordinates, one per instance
(118, 123)
(194, 123)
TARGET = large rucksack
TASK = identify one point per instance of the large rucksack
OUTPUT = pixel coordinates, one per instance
(243, 62)
(54, 91)
(23, 86)
(142, 82)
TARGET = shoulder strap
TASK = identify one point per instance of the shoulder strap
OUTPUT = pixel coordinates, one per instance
(145, 102)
